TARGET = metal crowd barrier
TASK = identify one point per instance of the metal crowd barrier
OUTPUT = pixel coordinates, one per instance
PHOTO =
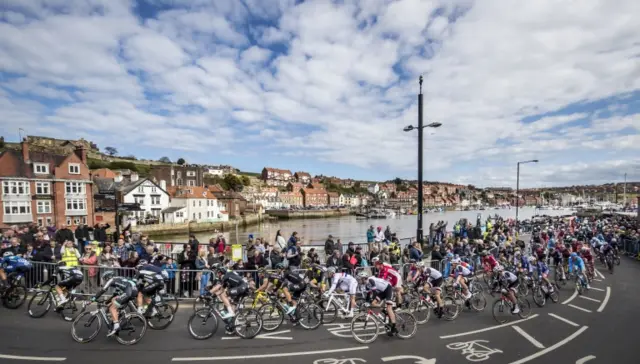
(631, 247)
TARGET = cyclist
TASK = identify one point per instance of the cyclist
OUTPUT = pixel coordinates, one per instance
(575, 260)
(543, 271)
(433, 279)
(12, 264)
(382, 290)
(150, 281)
(293, 288)
(315, 277)
(489, 262)
(414, 271)
(586, 255)
(347, 283)
(508, 281)
(461, 275)
(68, 278)
(387, 272)
(125, 291)
(233, 283)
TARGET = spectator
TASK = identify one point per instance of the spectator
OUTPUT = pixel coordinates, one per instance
(43, 252)
(203, 266)
(107, 258)
(293, 255)
(348, 261)
(170, 267)
(371, 235)
(359, 257)
(373, 253)
(69, 254)
(29, 253)
(15, 247)
(89, 260)
(51, 231)
(212, 257)
(187, 260)
(436, 255)
(351, 248)
(293, 239)
(63, 234)
(82, 235)
(121, 251)
(220, 244)
(194, 243)
(280, 240)
(313, 256)
(275, 256)
(415, 252)
(329, 246)
(385, 256)
(334, 260)
(100, 232)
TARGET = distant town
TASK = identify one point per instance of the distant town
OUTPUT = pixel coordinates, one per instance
(50, 181)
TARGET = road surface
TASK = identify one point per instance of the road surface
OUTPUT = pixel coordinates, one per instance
(597, 328)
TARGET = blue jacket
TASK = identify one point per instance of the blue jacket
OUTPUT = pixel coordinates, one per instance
(415, 254)
(578, 262)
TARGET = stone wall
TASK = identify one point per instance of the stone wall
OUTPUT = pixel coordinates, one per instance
(197, 227)
(310, 214)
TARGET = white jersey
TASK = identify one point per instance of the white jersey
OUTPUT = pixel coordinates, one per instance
(345, 281)
(376, 284)
(509, 277)
(433, 275)
(463, 271)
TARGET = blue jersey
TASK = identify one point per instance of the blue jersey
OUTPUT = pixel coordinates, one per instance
(542, 267)
(15, 263)
(578, 262)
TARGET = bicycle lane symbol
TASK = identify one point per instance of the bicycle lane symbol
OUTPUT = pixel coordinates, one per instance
(339, 361)
(473, 350)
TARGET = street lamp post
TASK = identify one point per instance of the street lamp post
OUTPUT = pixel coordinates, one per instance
(420, 127)
(518, 192)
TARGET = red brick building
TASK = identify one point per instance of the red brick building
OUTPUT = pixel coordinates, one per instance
(315, 197)
(45, 188)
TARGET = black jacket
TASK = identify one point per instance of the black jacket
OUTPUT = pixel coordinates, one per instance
(82, 233)
(329, 247)
(100, 234)
(63, 235)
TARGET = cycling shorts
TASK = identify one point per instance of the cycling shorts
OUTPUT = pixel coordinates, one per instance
(386, 295)
(152, 288)
(436, 283)
(239, 291)
(296, 289)
(71, 282)
(351, 289)
(513, 285)
(123, 298)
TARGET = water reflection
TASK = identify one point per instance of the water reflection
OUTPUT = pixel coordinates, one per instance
(350, 228)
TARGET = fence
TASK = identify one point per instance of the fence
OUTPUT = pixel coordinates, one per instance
(631, 247)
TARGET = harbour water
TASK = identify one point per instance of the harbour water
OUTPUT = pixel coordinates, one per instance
(350, 228)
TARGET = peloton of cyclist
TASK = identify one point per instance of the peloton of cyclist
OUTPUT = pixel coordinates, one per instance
(433, 279)
(68, 278)
(543, 271)
(347, 283)
(12, 264)
(387, 272)
(508, 281)
(227, 281)
(150, 281)
(461, 274)
(125, 291)
(381, 290)
(578, 263)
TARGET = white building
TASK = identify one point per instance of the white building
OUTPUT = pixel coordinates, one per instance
(373, 188)
(194, 204)
(152, 198)
(214, 171)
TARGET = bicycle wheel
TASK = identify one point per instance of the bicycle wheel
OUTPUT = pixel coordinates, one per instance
(554, 296)
(248, 323)
(525, 307)
(271, 316)
(364, 328)
(330, 312)
(15, 296)
(450, 308)
(616, 260)
(69, 311)
(406, 325)
(133, 326)
(171, 300)
(39, 304)
(478, 301)
(539, 296)
(309, 316)
(199, 321)
(498, 310)
(557, 277)
(522, 287)
(420, 310)
(81, 328)
(162, 318)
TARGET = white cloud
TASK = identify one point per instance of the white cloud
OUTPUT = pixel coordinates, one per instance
(336, 82)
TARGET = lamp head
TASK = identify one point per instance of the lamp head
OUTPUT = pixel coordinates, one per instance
(408, 128)
(434, 125)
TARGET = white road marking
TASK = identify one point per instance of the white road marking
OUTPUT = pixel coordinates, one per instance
(589, 299)
(488, 328)
(597, 289)
(597, 280)
(531, 339)
(575, 293)
(268, 335)
(552, 347)
(606, 300)
(278, 355)
(418, 359)
(580, 308)
(31, 358)
(564, 319)
(585, 359)
(600, 274)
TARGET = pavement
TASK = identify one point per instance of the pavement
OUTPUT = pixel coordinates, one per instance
(596, 328)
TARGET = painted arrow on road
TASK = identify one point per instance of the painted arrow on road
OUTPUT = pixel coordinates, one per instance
(418, 359)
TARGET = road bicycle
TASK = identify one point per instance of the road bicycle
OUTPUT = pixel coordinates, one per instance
(369, 322)
(476, 302)
(308, 315)
(44, 298)
(503, 302)
(580, 282)
(247, 323)
(133, 325)
(14, 295)
(159, 313)
(541, 291)
(422, 306)
(334, 304)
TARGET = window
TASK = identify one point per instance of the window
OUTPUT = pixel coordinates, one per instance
(139, 200)
(154, 189)
(17, 208)
(155, 200)
(43, 188)
(194, 215)
(15, 187)
(191, 183)
(191, 173)
(68, 221)
(41, 168)
(141, 189)
(179, 175)
(179, 182)
(40, 221)
(199, 203)
(49, 221)
(194, 203)
(74, 168)
(207, 203)
(44, 207)
(76, 204)
(75, 187)
(199, 215)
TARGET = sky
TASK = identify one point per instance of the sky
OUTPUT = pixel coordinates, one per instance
(328, 86)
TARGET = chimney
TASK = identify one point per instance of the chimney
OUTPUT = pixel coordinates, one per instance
(25, 149)
(134, 177)
(81, 152)
(117, 178)
(163, 184)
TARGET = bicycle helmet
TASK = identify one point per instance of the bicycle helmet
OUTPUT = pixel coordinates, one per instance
(7, 254)
(455, 261)
(449, 256)
(532, 259)
(331, 270)
(107, 276)
(141, 263)
(497, 269)
(375, 260)
(363, 274)
(574, 255)
(61, 264)
(279, 266)
(221, 270)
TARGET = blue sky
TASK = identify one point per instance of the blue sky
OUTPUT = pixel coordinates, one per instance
(327, 86)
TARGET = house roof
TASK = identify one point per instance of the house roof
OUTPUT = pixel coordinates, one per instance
(302, 174)
(314, 191)
(283, 171)
(104, 185)
(334, 194)
(229, 195)
(103, 173)
(172, 209)
(190, 192)
(24, 169)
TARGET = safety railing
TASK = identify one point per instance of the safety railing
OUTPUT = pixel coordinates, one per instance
(631, 247)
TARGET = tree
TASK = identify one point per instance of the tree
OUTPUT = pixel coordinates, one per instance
(111, 151)
(233, 182)
(397, 181)
(181, 161)
(164, 160)
(246, 180)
